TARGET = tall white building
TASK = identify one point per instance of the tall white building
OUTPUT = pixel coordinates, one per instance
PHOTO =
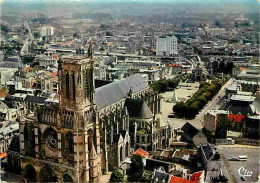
(166, 46)
(46, 30)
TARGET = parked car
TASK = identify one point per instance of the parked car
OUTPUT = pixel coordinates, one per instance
(233, 159)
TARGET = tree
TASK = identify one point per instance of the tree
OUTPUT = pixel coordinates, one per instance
(230, 67)
(178, 109)
(136, 168)
(221, 66)
(202, 84)
(4, 29)
(222, 127)
(101, 49)
(145, 179)
(116, 176)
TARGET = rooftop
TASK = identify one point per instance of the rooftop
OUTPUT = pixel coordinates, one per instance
(141, 152)
(116, 91)
(74, 58)
(243, 98)
(216, 112)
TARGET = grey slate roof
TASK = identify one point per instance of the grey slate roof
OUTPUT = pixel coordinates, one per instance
(160, 176)
(189, 129)
(35, 99)
(137, 108)
(114, 92)
(236, 107)
(15, 144)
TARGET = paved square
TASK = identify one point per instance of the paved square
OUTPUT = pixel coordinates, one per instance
(252, 164)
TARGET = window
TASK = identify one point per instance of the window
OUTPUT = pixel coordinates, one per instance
(143, 139)
(67, 85)
(74, 86)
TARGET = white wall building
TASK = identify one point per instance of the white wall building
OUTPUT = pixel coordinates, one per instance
(46, 31)
(166, 46)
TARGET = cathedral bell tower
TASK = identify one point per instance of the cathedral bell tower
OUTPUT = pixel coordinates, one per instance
(77, 113)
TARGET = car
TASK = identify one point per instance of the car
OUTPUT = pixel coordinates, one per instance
(233, 159)
(171, 116)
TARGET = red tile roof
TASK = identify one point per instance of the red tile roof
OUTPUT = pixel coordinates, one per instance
(3, 155)
(236, 118)
(27, 69)
(175, 179)
(53, 74)
(3, 94)
(141, 152)
(195, 178)
(55, 57)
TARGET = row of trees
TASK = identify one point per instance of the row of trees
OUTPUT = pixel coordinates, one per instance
(192, 106)
(225, 67)
(164, 85)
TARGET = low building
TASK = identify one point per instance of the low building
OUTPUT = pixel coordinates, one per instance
(152, 164)
(192, 135)
(211, 119)
(159, 175)
(175, 69)
(212, 163)
(249, 75)
(252, 124)
(6, 135)
(240, 104)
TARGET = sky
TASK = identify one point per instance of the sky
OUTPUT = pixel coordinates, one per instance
(201, 1)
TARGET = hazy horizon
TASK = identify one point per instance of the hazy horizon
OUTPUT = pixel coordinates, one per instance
(147, 1)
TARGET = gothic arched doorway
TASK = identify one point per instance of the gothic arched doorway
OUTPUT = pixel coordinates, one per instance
(67, 178)
(47, 174)
(30, 173)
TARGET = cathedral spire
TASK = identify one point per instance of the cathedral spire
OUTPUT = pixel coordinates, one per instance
(90, 50)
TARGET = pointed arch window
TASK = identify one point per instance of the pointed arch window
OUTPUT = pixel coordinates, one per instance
(73, 86)
(67, 85)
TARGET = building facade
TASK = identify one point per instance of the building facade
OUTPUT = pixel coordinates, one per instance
(46, 31)
(61, 142)
(166, 46)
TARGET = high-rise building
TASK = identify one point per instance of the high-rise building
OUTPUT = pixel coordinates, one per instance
(61, 142)
(46, 31)
(166, 46)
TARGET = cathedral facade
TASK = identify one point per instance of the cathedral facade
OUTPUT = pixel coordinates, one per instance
(89, 131)
(61, 142)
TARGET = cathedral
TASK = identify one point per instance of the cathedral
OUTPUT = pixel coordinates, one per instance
(90, 131)
(61, 142)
